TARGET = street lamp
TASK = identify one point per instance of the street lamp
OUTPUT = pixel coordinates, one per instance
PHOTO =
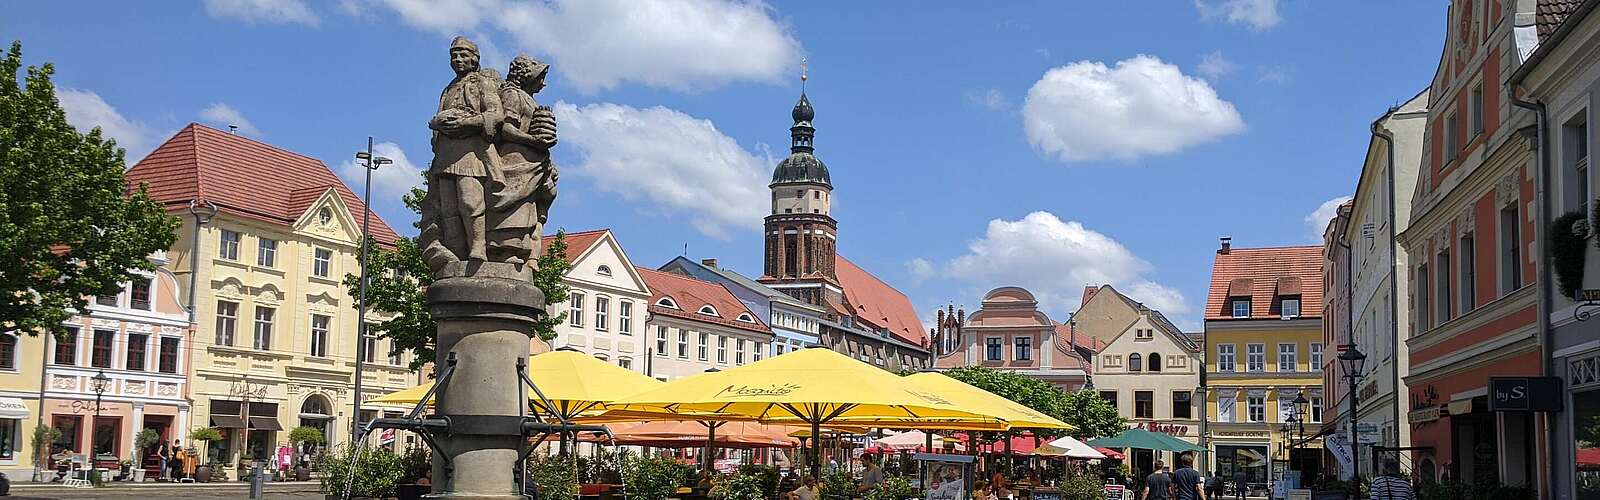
(1297, 416)
(372, 162)
(98, 384)
(1351, 360)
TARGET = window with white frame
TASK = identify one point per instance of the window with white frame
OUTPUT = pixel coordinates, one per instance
(1241, 307)
(394, 354)
(1423, 312)
(1578, 150)
(1315, 410)
(1288, 357)
(625, 317)
(575, 310)
(1226, 405)
(1023, 350)
(625, 363)
(993, 349)
(661, 340)
(602, 308)
(1143, 333)
(369, 347)
(1316, 356)
(322, 262)
(1452, 145)
(1227, 361)
(319, 335)
(1289, 307)
(263, 330)
(1256, 406)
(1255, 357)
(722, 349)
(1475, 107)
(738, 351)
(227, 322)
(8, 351)
(1442, 274)
(266, 252)
(683, 344)
(1467, 285)
(228, 245)
(1510, 249)
(139, 294)
(703, 346)
(603, 270)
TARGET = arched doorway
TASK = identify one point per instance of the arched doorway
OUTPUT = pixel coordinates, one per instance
(316, 412)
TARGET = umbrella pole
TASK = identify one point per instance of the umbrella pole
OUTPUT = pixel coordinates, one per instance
(711, 440)
(816, 449)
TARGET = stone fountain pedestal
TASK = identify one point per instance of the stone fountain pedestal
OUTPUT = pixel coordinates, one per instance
(485, 313)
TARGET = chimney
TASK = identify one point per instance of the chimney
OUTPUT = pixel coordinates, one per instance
(711, 263)
(1227, 245)
(233, 129)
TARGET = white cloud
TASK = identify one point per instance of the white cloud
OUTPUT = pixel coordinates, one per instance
(1259, 15)
(1275, 74)
(921, 269)
(990, 99)
(86, 110)
(1054, 259)
(1141, 106)
(1214, 66)
(267, 11)
(599, 44)
(389, 182)
(223, 115)
(1317, 220)
(669, 162)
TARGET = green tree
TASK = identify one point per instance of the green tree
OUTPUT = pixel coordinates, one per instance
(399, 275)
(1086, 410)
(69, 228)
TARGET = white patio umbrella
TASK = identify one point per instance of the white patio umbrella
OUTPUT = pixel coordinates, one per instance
(1068, 447)
(908, 441)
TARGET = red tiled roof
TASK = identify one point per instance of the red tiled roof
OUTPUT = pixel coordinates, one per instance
(1261, 270)
(691, 294)
(877, 303)
(244, 177)
(1549, 14)
(577, 243)
(1088, 293)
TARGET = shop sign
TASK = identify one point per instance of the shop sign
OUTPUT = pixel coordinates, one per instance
(1369, 392)
(1116, 492)
(1525, 394)
(1425, 415)
(1174, 429)
(1243, 433)
(85, 406)
(1589, 295)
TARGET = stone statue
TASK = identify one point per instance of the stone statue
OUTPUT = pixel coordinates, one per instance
(526, 185)
(492, 180)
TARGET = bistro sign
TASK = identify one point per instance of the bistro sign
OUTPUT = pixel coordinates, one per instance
(1174, 429)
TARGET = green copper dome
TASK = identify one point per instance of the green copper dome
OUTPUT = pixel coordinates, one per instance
(801, 167)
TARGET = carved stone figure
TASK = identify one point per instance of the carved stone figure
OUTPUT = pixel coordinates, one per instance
(521, 194)
(464, 158)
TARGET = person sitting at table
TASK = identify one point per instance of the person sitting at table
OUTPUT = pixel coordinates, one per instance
(808, 490)
(983, 491)
(997, 484)
(871, 476)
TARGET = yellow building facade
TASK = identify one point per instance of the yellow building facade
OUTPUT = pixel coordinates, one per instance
(1263, 350)
(21, 376)
(275, 337)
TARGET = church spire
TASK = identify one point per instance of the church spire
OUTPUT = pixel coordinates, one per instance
(802, 133)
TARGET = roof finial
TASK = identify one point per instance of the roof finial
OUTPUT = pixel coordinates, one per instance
(803, 75)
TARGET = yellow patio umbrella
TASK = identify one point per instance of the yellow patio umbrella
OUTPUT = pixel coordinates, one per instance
(573, 384)
(814, 386)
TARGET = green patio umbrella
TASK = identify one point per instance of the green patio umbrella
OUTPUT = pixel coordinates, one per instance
(1145, 440)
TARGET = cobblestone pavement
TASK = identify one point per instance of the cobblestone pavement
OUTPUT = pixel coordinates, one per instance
(306, 491)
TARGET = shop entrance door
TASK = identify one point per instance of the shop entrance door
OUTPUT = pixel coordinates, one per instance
(149, 458)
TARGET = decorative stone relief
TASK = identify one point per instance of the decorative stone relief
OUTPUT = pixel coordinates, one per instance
(134, 387)
(62, 382)
(231, 288)
(269, 295)
(1466, 221)
(141, 327)
(105, 323)
(1507, 192)
(167, 390)
(171, 330)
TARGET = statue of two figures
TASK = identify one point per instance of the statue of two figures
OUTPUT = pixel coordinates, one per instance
(492, 179)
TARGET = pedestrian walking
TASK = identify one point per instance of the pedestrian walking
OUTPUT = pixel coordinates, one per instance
(165, 454)
(1157, 486)
(1390, 485)
(1187, 481)
(1239, 485)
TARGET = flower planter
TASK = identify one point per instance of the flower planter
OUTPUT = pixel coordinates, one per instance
(202, 474)
(302, 473)
(138, 475)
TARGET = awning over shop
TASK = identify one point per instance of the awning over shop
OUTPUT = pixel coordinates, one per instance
(227, 421)
(265, 424)
(13, 408)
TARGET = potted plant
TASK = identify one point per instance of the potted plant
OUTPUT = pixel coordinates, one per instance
(374, 474)
(43, 435)
(416, 481)
(552, 477)
(205, 435)
(124, 469)
(141, 442)
(301, 437)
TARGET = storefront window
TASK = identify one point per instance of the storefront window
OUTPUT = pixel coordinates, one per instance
(1586, 432)
(8, 438)
(1250, 459)
(106, 430)
(69, 426)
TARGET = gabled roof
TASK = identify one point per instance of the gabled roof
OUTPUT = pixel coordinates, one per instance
(743, 281)
(1258, 273)
(879, 304)
(1549, 14)
(691, 295)
(243, 177)
(577, 243)
(1079, 358)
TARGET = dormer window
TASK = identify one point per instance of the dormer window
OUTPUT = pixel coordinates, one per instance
(1291, 306)
(709, 311)
(667, 302)
(604, 270)
(1241, 307)
(745, 317)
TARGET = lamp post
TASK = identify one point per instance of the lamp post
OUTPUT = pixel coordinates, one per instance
(98, 384)
(370, 162)
(1351, 360)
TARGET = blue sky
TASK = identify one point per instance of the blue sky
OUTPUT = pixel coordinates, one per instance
(1043, 144)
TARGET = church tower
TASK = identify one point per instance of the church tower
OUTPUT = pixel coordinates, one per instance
(801, 235)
